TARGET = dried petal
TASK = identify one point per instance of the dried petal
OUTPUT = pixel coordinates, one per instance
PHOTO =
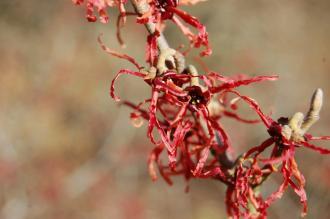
(122, 72)
(116, 54)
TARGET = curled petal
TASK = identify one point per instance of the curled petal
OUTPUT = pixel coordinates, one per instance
(153, 122)
(180, 115)
(299, 185)
(137, 108)
(214, 172)
(315, 148)
(78, 2)
(184, 29)
(169, 87)
(300, 191)
(259, 149)
(287, 154)
(255, 106)
(154, 157)
(116, 54)
(230, 84)
(238, 118)
(180, 132)
(279, 193)
(121, 19)
(152, 115)
(165, 175)
(201, 162)
(151, 50)
(136, 120)
(100, 6)
(202, 38)
(122, 72)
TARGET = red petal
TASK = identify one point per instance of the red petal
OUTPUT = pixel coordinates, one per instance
(152, 51)
(78, 2)
(154, 122)
(259, 149)
(154, 157)
(180, 115)
(165, 175)
(167, 87)
(152, 115)
(121, 19)
(122, 72)
(116, 54)
(288, 153)
(216, 171)
(181, 132)
(201, 161)
(315, 148)
(238, 118)
(313, 138)
(202, 34)
(254, 105)
(300, 191)
(236, 83)
(279, 193)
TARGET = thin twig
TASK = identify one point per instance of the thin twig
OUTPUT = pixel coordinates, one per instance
(141, 7)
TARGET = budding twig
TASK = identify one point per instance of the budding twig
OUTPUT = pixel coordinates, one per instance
(168, 54)
(298, 125)
(313, 114)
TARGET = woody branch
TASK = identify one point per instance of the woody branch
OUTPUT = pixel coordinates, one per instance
(141, 7)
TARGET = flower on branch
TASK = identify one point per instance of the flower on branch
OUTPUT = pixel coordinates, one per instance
(154, 11)
(253, 169)
(179, 113)
(185, 110)
(101, 7)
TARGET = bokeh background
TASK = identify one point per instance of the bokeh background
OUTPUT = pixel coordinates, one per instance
(67, 150)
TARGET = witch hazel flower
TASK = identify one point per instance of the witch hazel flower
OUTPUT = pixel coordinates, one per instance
(286, 136)
(185, 110)
(186, 128)
(155, 13)
(101, 7)
(190, 133)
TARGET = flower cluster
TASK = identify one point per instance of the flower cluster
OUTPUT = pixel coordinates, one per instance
(286, 135)
(101, 7)
(155, 12)
(187, 125)
(185, 110)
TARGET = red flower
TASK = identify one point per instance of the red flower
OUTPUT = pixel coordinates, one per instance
(188, 133)
(156, 12)
(185, 110)
(100, 6)
(185, 126)
(253, 169)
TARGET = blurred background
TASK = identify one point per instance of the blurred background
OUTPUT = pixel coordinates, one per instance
(67, 150)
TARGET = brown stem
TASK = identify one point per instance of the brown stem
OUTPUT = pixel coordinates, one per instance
(141, 7)
(225, 159)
